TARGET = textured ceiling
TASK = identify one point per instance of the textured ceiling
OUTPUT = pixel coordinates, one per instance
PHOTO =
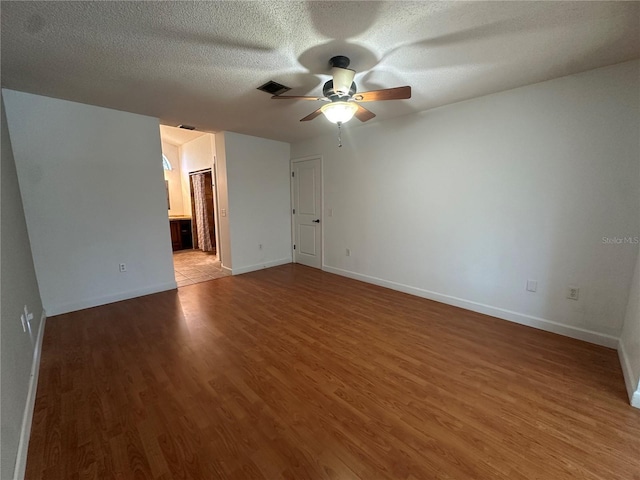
(199, 63)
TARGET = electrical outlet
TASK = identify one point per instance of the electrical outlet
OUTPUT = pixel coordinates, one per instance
(348, 252)
(122, 267)
(532, 285)
(331, 212)
(573, 293)
(223, 212)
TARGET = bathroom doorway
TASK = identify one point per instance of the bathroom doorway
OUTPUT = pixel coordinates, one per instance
(189, 163)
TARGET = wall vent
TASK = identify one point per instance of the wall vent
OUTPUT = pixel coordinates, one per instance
(187, 127)
(273, 88)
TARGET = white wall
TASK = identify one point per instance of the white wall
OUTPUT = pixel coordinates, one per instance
(174, 177)
(195, 155)
(94, 196)
(18, 288)
(466, 202)
(629, 349)
(259, 203)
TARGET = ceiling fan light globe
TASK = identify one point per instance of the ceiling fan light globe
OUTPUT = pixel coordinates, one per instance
(339, 112)
(342, 80)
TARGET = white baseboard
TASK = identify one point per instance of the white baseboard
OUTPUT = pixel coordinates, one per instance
(521, 318)
(633, 389)
(227, 270)
(260, 266)
(27, 417)
(116, 297)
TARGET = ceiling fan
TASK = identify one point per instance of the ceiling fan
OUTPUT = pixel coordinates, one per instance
(341, 97)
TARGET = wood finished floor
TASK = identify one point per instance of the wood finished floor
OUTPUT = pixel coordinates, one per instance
(298, 374)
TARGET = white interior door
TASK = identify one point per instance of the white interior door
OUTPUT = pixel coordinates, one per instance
(307, 207)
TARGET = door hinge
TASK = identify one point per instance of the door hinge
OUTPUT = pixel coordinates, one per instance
(294, 211)
(294, 247)
(293, 174)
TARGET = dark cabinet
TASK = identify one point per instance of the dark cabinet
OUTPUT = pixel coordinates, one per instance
(181, 237)
(175, 235)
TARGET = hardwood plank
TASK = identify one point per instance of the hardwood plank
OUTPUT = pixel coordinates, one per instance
(293, 373)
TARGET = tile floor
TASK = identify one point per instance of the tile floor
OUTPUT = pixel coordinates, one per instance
(195, 266)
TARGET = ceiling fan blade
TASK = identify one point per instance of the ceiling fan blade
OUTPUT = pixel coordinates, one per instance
(295, 97)
(363, 114)
(312, 115)
(397, 93)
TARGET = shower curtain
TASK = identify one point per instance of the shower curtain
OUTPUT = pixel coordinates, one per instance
(202, 213)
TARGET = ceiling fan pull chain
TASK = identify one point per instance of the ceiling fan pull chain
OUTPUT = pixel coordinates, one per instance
(339, 134)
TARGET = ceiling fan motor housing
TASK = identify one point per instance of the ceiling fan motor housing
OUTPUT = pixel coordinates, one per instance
(328, 91)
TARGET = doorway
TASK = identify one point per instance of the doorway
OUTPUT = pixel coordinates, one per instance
(190, 179)
(306, 188)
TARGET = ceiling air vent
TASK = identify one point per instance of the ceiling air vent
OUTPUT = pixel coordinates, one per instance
(273, 88)
(187, 127)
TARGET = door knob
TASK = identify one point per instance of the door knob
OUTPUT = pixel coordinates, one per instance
(316, 221)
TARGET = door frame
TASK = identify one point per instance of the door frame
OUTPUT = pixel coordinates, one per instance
(293, 227)
(216, 219)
